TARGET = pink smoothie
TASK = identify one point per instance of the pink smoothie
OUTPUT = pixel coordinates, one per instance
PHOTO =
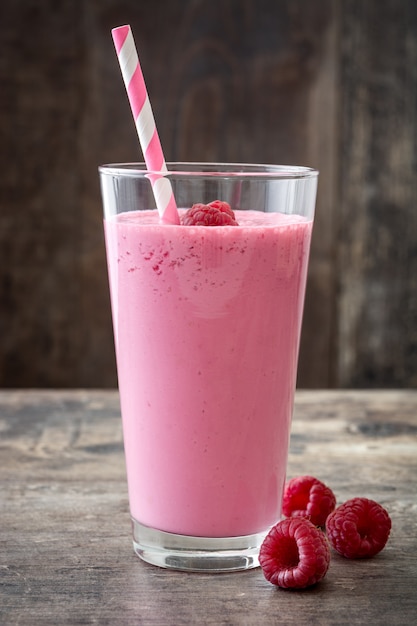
(207, 323)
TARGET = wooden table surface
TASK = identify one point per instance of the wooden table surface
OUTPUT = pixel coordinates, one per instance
(65, 547)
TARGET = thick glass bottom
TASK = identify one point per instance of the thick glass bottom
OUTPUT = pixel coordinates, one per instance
(196, 554)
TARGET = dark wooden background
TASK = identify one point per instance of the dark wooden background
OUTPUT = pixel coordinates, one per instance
(330, 84)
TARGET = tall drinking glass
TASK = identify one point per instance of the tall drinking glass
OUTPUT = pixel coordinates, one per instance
(207, 326)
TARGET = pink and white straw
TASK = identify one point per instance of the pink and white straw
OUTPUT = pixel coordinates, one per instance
(145, 123)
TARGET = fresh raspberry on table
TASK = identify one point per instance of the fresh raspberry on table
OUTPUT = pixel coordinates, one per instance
(306, 496)
(217, 213)
(295, 554)
(359, 528)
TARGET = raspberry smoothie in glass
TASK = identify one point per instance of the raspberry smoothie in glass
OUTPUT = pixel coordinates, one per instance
(207, 325)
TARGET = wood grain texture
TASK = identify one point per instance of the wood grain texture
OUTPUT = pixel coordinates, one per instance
(377, 271)
(327, 84)
(65, 547)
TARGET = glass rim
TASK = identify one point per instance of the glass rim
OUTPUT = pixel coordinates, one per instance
(190, 169)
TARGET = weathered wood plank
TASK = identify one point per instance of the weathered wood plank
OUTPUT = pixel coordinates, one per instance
(65, 552)
(377, 270)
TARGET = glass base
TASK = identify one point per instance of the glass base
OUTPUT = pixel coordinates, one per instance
(196, 554)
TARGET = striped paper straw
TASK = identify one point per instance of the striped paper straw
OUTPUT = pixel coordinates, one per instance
(145, 123)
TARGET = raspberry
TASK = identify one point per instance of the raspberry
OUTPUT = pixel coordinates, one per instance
(217, 213)
(295, 554)
(222, 206)
(306, 496)
(359, 528)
